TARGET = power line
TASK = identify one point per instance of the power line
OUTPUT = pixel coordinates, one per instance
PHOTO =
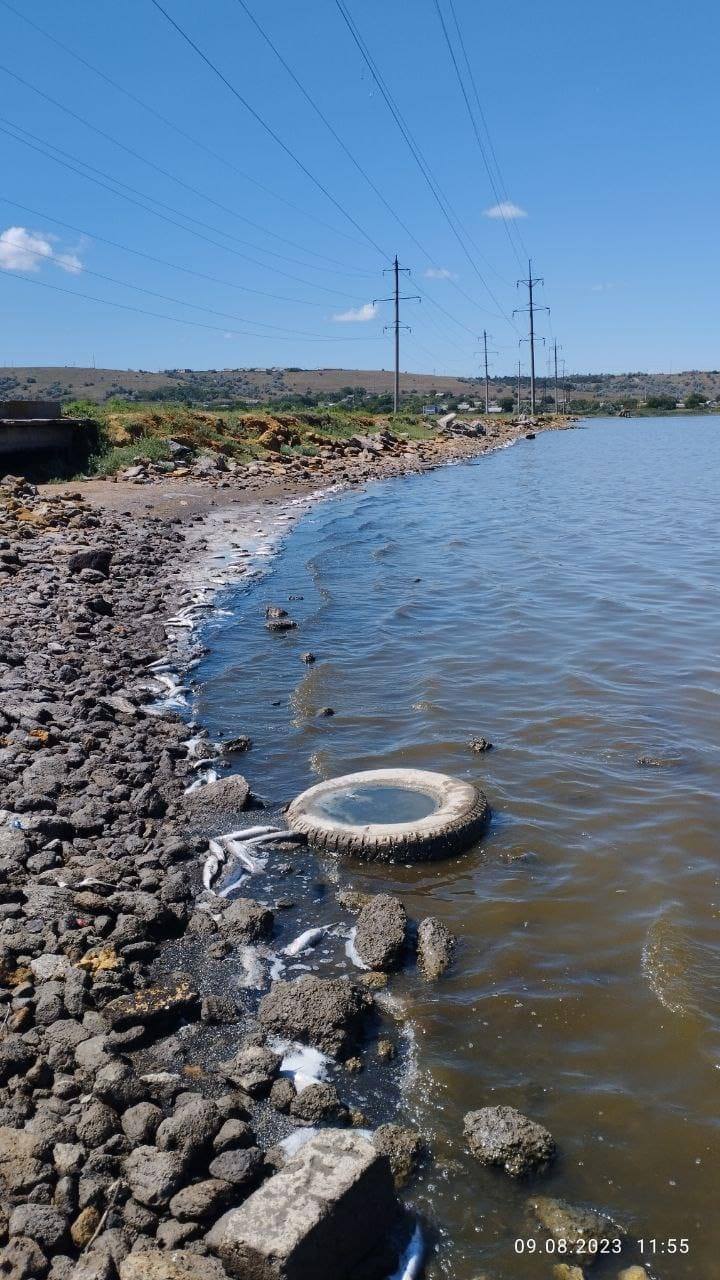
(188, 187)
(142, 205)
(475, 129)
(413, 147)
(396, 326)
(188, 137)
(163, 262)
(158, 315)
(182, 302)
(268, 128)
(531, 282)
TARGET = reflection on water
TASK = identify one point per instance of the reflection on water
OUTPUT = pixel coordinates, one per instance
(376, 804)
(560, 599)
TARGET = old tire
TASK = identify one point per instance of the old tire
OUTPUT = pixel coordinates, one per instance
(461, 811)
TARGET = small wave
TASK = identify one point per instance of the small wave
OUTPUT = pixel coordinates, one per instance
(683, 972)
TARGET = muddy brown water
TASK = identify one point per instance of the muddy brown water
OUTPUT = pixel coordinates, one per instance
(561, 599)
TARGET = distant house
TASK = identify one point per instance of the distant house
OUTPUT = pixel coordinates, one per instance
(494, 408)
(464, 407)
(432, 408)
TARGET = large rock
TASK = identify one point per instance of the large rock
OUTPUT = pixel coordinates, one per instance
(171, 996)
(403, 1148)
(380, 933)
(178, 1264)
(214, 808)
(23, 1162)
(321, 1215)
(505, 1137)
(436, 947)
(325, 1012)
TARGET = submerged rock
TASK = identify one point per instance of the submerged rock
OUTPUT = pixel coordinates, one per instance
(505, 1137)
(574, 1224)
(380, 934)
(325, 1012)
(321, 1215)
(436, 947)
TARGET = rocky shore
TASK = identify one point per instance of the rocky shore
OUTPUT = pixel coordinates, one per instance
(123, 1153)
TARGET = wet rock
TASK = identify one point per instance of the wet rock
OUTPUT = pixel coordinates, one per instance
(311, 1219)
(658, 762)
(169, 997)
(214, 808)
(380, 935)
(201, 1200)
(242, 1168)
(180, 1264)
(574, 1224)
(436, 947)
(403, 1148)
(254, 1070)
(41, 1223)
(328, 1013)
(319, 1104)
(281, 624)
(154, 1176)
(480, 745)
(245, 920)
(308, 658)
(505, 1137)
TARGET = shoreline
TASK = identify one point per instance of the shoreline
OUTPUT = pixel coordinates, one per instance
(101, 856)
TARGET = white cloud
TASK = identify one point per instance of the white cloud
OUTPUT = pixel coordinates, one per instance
(602, 288)
(440, 273)
(367, 311)
(506, 209)
(24, 250)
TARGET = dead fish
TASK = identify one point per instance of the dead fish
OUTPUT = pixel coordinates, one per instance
(214, 864)
(305, 941)
(240, 850)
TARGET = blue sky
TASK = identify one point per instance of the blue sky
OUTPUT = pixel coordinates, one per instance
(603, 120)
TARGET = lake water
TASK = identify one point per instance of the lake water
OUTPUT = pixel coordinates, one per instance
(560, 598)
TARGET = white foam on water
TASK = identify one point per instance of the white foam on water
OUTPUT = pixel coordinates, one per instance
(303, 1064)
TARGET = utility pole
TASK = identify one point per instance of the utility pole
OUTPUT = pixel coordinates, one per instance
(518, 393)
(531, 282)
(532, 340)
(557, 394)
(485, 336)
(396, 299)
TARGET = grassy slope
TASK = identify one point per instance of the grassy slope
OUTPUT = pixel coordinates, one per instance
(129, 431)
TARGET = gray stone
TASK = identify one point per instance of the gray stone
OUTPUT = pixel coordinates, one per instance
(214, 808)
(40, 1222)
(200, 1200)
(326, 1012)
(97, 1123)
(505, 1137)
(16, 1057)
(234, 1134)
(190, 1129)
(154, 1176)
(140, 1123)
(23, 1160)
(436, 946)
(254, 1070)
(242, 1168)
(319, 1104)
(22, 1259)
(245, 920)
(313, 1218)
(380, 933)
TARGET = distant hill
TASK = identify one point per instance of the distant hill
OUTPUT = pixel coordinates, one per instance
(221, 387)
